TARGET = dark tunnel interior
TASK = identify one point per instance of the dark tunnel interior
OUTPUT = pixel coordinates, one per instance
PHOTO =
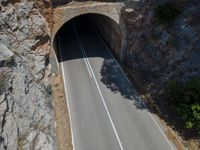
(106, 28)
(91, 35)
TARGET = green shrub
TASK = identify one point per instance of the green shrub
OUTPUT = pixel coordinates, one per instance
(175, 90)
(167, 12)
(185, 98)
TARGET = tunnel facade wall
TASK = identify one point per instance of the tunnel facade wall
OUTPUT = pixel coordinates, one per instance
(111, 11)
(64, 14)
(109, 30)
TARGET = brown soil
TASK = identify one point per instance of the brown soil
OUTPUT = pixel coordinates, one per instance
(63, 132)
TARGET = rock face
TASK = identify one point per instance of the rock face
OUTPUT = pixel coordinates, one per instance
(158, 53)
(5, 55)
(26, 113)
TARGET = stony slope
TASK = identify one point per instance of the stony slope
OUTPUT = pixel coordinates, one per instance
(26, 112)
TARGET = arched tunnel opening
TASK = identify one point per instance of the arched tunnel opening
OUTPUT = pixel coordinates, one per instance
(87, 45)
(99, 25)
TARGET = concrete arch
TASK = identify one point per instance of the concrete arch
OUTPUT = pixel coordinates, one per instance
(111, 10)
(66, 13)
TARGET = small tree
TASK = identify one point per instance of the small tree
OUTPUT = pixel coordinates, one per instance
(186, 99)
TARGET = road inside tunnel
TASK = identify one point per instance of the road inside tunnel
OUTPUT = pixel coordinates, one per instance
(105, 110)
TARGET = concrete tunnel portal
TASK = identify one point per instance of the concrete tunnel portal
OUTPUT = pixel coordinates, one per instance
(107, 28)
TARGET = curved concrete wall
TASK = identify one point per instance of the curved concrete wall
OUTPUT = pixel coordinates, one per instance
(65, 13)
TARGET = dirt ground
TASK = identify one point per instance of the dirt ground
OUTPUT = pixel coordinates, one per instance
(63, 132)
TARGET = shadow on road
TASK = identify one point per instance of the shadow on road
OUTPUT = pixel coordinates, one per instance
(111, 74)
(115, 80)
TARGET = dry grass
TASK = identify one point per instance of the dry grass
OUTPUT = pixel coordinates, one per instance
(63, 133)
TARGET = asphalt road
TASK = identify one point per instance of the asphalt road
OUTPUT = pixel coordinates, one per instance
(105, 110)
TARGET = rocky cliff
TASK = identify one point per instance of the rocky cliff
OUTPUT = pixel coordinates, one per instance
(26, 114)
(158, 53)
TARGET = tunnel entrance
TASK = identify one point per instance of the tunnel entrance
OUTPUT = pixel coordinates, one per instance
(104, 27)
(85, 47)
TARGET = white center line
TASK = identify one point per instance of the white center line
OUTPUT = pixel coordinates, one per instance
(84, 55)
(150, 114)
(102, 98)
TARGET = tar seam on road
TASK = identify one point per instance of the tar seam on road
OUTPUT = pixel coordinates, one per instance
(155, 122)
(67, 96)
(108, 113)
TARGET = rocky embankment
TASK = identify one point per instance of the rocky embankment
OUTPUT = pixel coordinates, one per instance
(158, 53)
(26, 113)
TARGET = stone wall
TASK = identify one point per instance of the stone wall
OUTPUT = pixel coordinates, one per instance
(57, 3)
(26, 114)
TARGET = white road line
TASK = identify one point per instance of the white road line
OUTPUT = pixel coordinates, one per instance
(84, 56)
(163, 134)
(155, 122)
(87, 66)
(108, 113)
(68, 99)
(67, 96)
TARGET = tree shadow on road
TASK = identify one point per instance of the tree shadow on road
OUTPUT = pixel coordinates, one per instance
(115, 80)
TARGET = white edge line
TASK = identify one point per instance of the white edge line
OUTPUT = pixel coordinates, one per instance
(67, 100)
(162, 132)
(108, 113)
(67, 97)
(155, 122)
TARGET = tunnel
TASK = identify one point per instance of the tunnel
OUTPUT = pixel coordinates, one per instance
(106, 28)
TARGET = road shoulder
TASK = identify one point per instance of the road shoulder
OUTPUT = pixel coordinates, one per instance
(63, 132)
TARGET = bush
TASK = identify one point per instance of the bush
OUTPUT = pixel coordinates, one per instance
(185, 98)
(167, 12)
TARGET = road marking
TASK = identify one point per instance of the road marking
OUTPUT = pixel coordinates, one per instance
(67, 99)
(162, 132)
(102, 98)
(151, 116)
(67, 96)
(84, 55)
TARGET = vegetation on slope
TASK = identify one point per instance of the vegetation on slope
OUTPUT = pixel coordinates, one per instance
(185, 98)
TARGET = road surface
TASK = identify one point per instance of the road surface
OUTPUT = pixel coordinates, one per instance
(105, 110)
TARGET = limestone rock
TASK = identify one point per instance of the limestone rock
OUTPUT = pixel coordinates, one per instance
(37, 141)
(26, 114)
(158, 53)
(5, 53)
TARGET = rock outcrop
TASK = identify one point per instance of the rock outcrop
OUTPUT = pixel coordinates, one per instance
(26, 113)
(158, 53)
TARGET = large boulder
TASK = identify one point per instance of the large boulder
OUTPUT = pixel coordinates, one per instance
(6, 55)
